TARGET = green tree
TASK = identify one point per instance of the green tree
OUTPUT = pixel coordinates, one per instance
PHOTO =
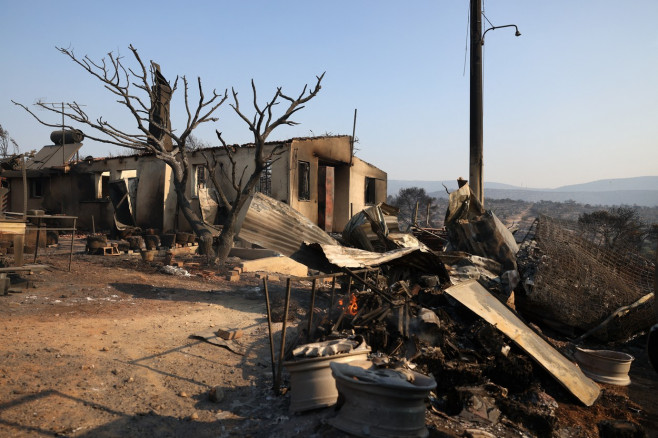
(407, 199)
(617, 228)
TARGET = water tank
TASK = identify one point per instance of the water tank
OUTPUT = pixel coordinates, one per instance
(67, 136)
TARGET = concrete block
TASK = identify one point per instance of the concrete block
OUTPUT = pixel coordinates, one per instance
(229, 334)
(233, 277)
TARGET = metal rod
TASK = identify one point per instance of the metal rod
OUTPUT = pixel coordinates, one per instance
(269, 328)
(310, 311)
(63, 139)
(371, 285)
(93, 225)
(277, 382)
(339, 320)
(36, 246)
(333, 294)
(72, 238)
(352, 142)
(24, 172)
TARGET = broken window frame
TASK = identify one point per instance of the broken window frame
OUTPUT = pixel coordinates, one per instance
(370, 191)
(303, 180)
(265, 182)
(200, 179)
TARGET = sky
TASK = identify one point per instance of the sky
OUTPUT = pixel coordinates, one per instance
(573, 99)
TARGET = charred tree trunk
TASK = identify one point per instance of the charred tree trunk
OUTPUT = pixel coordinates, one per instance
(205, 236)
(225, 243)
(228, 231)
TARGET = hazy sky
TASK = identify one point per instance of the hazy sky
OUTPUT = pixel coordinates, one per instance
(574, 99)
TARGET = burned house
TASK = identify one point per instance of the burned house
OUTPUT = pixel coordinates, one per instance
(317, 176)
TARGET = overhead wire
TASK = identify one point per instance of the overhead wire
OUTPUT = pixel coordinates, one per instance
(468, 24)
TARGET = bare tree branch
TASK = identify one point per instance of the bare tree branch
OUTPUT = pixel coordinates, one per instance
(140, 90)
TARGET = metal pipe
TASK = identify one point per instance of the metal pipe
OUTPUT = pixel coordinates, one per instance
(310, 311)
(36, 246)
(277, 382)
(352, 142)
(75, 220)
(269, 328)
(333, 294)
(24, 172)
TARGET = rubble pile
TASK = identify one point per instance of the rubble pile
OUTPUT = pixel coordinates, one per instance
(451, 316)
(482, 377)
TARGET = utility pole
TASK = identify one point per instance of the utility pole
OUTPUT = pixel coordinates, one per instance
(476, 162)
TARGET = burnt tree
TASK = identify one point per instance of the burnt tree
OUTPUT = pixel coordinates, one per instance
(146, 94)
(7, 143)
(262, 124)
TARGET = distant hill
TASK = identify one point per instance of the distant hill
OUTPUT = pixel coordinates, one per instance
(641, 191)
(604, 185)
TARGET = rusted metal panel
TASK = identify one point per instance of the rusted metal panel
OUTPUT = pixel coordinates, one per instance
(276, 226)
(472, 295)
(478, 231)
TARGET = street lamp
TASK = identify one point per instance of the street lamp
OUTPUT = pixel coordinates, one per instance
(517, 33)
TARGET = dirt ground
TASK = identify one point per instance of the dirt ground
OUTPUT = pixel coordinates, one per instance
(106, 350)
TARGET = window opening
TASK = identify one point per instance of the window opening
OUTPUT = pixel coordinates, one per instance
(265, 183)
(36, 188)
(304, 181)
(370, 191)
(200, 177)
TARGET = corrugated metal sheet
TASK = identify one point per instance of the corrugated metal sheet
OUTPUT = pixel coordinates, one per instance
(276, 226)
(358, 258)
(417, 258)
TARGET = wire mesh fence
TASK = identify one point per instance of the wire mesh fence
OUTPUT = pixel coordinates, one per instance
(574, 282)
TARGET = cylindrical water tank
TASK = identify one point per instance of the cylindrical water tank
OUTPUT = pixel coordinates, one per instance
(67, 136)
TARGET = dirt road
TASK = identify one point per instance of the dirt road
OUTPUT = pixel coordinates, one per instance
(105, 350)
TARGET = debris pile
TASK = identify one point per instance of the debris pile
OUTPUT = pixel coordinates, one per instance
(451, 316)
